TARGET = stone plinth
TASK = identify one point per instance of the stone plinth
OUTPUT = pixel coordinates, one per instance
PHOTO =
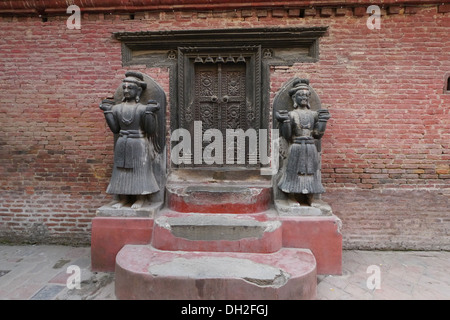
(115, 227)
(147, 210)
(143, 272)
(110, 234)
(287, 207)
(321, 234)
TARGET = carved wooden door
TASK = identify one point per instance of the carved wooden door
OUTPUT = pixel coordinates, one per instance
(220, 100)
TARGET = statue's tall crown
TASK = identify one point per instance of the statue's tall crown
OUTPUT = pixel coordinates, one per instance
(135, 77)
(299, 84)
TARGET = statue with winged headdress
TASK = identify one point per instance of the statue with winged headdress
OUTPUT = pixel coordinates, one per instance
(137, 141)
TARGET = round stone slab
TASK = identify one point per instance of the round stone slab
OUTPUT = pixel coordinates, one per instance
(222, 268)
(143, 272)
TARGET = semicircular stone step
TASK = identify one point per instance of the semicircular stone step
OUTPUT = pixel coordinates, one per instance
(143, 272)
(217, 232)
(219, 198)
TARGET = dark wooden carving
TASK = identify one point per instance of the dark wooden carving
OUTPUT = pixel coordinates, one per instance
(281, 45)
(221, 87)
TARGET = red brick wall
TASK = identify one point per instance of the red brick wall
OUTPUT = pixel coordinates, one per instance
(386, 151)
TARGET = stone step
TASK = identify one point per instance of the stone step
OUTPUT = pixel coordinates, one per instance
(217, 232)
(209, 191)
(143, 272)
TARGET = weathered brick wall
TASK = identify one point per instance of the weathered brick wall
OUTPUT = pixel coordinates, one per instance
(386, 152)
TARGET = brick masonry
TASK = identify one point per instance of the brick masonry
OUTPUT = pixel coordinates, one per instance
(386, 152)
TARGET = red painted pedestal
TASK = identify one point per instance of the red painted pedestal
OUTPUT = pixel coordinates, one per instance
(110, 234)
(320, 234)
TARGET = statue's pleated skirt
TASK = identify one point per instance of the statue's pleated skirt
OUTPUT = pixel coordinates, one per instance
(137, 178)
(302, 170)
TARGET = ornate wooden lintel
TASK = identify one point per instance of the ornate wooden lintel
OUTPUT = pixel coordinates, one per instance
(280, 45)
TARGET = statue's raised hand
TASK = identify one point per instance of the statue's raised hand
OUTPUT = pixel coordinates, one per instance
(324, 115)
(106, 105)
(282, 115)
(152, 106)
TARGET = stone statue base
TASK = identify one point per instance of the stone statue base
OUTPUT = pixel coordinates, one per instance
(147, 210)
(290, 207)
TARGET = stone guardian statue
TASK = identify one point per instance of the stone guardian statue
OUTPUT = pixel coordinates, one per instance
(302, 129)
(135, 127)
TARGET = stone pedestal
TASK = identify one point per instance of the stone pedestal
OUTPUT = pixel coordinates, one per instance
(113, 228)
(321, 234)
(110, 234)
(147, 210)
(287, 207)
(313, 227)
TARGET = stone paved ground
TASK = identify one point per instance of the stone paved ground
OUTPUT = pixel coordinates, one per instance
(41, 272)
(410, 275)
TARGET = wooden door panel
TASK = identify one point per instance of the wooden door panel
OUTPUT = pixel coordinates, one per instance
(219, 99)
